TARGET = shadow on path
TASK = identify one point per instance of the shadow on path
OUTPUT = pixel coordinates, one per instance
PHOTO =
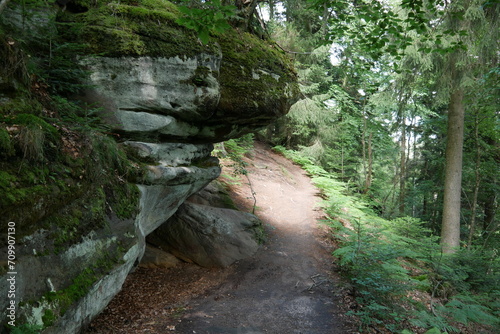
(286, 287)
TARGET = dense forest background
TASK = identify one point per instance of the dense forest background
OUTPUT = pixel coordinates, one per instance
(399, 126)
(377, 114)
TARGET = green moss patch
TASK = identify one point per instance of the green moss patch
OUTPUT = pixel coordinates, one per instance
(69, 195)
(56, 303)
(6, 144)
(125, 200)
(132, 28)
(21, 104)
(243, 53)
(69, 224)
(28, 192)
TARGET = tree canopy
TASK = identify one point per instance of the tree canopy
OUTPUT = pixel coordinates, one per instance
(400, 102)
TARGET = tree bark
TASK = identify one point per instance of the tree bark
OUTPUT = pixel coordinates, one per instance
(450, 228)
(402, 99)
(402, 169)
(370, 162)
(367, 151)
(247, 9)
(271, 9)
(363, 149)
(476, 184)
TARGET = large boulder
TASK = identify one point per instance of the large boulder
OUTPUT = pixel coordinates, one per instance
(155, 257)
(209, 236)
(157, 82)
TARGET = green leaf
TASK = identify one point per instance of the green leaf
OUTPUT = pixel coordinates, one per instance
(204, 36)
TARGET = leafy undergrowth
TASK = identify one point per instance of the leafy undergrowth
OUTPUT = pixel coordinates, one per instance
(401, 281)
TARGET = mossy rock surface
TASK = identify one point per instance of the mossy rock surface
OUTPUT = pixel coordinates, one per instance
(256, 81)
(132, 28)
(255, 75)
(35, 193)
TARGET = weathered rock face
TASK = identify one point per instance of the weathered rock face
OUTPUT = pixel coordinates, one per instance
(156, 258)
(61, 290)
(209, 230)
(169, 98)
(156, 98)
(157, 82)
(167, 186)
(208, 236)
(188, 99)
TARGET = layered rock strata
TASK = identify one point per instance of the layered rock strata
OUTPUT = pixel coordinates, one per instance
(168, 98)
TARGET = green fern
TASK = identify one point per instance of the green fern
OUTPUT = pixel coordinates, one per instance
(387, 260)
(467, 308)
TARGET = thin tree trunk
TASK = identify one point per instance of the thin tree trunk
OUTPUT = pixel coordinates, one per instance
(414, 178)
(366, 151)
(370, 162)
(402, 166)
(476, 184)
(427, 194)
(342, 161)
(363, 148)
(271, 10)
(402, 99)
(450, 229)
(326, 18)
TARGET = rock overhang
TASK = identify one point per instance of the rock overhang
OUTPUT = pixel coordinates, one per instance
(153, 76)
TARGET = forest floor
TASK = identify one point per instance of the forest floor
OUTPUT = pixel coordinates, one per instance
(289, 286)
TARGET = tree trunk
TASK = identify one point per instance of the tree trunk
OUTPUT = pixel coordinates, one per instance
(476, 184)
(403, 96)
(325, 20)
(402, 169)
(342, 161)
(246, 9)
(450, 228)
(367, 152)
(370, 163)
(363, 149)
(271, 10)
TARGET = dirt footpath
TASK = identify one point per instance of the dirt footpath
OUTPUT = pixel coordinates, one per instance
(286, 288)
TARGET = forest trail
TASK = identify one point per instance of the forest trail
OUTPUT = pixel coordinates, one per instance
(286, 288)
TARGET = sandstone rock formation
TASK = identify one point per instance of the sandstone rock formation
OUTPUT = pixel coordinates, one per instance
(168, 97)
(208, 236)
(156, 258)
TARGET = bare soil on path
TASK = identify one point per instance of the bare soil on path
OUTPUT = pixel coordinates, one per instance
(286, 288)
